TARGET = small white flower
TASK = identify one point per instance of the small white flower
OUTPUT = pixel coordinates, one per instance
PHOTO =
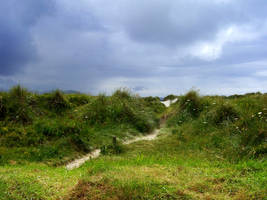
(205, 122)
(86, 117)
(252, 115)
(259, 113)
(214, 103)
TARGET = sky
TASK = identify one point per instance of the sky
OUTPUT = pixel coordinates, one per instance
(153, 47)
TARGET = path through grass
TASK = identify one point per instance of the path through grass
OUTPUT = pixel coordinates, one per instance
(162, 169)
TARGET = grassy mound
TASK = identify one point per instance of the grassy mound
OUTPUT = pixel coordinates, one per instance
(234, 126)
(56, 127)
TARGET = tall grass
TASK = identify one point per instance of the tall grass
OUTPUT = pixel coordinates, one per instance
(37, 122)
(235, 127)
(57, 101)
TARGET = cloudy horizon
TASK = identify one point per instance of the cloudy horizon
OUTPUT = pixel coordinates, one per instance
(153, 47)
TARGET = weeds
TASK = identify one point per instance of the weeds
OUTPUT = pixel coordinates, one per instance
(57, 101)
(236, 126)
(225, 112)
(38, 122)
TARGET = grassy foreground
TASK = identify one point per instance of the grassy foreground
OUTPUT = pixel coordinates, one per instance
(162, 169)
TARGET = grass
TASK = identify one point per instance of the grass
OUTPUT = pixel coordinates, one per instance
(211, 147)
(55, 127)
(233, 127)
(162, 169)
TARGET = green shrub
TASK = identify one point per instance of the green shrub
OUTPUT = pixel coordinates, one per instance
(17, 106)
(191, 103)
(98, 111)
(57, 102)
(57, 128)
(79, 99)
(123, 94)
(82, 140)
(114, 148)
(119, 109)
(155, 104)
(44, 152)
(225, 112)
(19, 93)
(3, 107)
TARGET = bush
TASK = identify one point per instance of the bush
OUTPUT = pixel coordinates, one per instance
(119, 109)
(98, 112)
(82, 141)
(17, 106)
(79, 99)
(57, 101)
(123, 94)
(191, 103)
(3, 107)
(114, 148)
(225, 112)
(155, 104)
(57, 128)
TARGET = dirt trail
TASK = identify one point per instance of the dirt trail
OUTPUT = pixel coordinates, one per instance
(96, 153)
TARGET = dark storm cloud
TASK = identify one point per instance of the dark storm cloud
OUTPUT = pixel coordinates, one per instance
(16, 44)
(153, 47)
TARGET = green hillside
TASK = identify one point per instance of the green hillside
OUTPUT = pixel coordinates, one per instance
(208, 147)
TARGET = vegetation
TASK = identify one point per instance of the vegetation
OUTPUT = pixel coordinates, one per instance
(212, 147)
(57, 127)
(234, 127)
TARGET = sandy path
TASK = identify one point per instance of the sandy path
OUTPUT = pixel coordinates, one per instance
(96, 153)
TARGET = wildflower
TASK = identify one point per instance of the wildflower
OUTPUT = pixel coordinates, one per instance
(252, 115)
(236, 119)
(259, 113)
(188, 100)
(86, 117)
(205, 122)
(214, 103)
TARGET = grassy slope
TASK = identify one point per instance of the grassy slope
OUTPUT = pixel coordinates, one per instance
(163, 169)
(54, 128)
(200, 156)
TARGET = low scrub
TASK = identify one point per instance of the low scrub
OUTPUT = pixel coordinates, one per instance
(235, 126)
(57, 101)
(191, 103)
(224, 112)
(121, 107)
(37, 122)
(79, 99)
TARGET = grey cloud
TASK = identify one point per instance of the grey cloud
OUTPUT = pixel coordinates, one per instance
(91, 45)
(175, 23)
(16, 44)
